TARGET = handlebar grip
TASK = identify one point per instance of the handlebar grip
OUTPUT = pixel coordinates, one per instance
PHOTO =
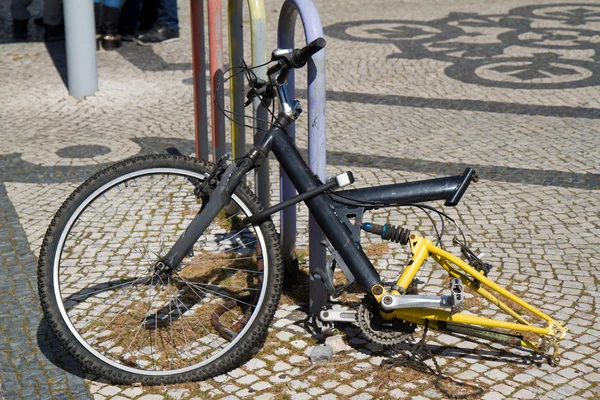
(300, 57)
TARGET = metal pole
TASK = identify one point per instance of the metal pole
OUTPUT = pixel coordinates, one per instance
(215, 49)
(258, 29)
(316, 138)
(80, 38)
(237, 93)
(199, 71)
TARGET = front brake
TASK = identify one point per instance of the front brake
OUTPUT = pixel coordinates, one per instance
(203, 190)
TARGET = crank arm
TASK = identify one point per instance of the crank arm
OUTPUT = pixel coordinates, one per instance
(338, 316)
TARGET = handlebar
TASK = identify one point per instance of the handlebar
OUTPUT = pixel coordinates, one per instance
(298, 58)
(277, 75)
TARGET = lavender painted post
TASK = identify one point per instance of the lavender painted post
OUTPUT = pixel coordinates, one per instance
(316, 136)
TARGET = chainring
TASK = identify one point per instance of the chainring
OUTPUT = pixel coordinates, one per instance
(376, 329)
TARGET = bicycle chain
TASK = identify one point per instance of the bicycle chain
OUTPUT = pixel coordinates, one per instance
(374, 330)
(416, 360)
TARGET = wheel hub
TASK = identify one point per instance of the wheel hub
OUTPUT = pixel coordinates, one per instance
(162, 269)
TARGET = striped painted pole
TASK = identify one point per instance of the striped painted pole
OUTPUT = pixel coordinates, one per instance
(215, 40)
(199, 72)
(236, 91)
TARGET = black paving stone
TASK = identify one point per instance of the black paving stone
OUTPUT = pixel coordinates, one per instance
(19, 339)
(11, 386)
(29, 392)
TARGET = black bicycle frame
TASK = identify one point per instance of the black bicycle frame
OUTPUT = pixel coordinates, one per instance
(321, 206)
(303, 179)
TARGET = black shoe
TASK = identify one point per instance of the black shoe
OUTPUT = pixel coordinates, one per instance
(127, 37)
(110, 42)
(158, 34)
(54, 32)
(20, 29)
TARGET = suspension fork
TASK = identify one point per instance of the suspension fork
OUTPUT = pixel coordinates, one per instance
(219, 198)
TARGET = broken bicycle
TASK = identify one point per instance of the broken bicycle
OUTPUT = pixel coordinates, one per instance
(163, 269)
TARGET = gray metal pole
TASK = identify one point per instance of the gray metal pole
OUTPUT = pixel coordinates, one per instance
(80, 37)
(258, 28)
(316, 140)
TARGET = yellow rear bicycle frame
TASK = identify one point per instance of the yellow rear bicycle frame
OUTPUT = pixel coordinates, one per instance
(421, 249)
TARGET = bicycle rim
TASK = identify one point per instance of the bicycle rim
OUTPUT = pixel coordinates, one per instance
(133, 319)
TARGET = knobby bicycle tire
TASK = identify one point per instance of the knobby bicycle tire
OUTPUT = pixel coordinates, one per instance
(103, 241)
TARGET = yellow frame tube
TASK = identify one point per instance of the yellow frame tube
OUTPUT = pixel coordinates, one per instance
(420, 252)
(440, 315)
(479, 289)
(423, 248)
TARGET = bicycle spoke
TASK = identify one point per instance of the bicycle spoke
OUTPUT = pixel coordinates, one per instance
(135, 319)
(171, 323)
(146, 249)
(213, 292)
(199, 295)
(113, 302)
(245, 270)
(128, 212)
(198, 321)
(89, 294)
(131, 248)
(220, 286)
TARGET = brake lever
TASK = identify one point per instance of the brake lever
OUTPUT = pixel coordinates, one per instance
(258, 88)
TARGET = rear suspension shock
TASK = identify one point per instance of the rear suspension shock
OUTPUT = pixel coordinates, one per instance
(388, 232)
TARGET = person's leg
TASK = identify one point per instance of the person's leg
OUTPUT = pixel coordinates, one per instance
(111, 11)
(20, 16)
(18, 9)
(130, 16)
(148, 14)
(53, 12)
(53, 20)
(167, 14)
(166, 27)
(98, 18)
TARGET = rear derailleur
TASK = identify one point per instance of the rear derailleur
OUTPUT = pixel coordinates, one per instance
(473, 259)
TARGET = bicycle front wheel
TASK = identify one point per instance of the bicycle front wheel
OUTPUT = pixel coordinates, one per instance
(125, 320)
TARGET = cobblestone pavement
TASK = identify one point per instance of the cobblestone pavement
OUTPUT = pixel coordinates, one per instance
(415, 90)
